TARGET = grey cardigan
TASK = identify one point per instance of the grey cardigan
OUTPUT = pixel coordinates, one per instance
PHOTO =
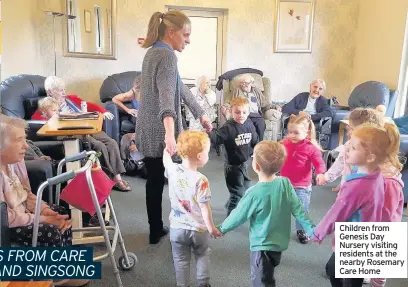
(158, 100)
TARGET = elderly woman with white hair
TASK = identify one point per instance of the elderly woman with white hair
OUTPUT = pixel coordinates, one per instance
(312, 104)
(206, 98)
(100, 142)
(15, 190)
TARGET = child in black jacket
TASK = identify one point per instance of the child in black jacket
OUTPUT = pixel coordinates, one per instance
(239, 137)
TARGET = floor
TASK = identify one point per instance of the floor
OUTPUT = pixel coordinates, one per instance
(301, 265)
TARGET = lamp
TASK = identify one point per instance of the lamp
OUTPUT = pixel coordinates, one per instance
(54, 15)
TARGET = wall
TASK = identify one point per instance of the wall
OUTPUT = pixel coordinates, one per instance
(249, 44)
(379, 43)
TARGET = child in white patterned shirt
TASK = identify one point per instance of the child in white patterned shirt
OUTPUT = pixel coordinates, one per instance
(191, 222)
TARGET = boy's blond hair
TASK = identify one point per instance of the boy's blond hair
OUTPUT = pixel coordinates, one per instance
(240, 102)
(47, 103)
(360, 116)
(270, 156)
(191, 143)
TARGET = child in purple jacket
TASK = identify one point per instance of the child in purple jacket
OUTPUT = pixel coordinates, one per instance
(361, 198)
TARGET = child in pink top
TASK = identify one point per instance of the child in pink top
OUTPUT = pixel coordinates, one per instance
(339, 168)
(362, 197)
(303, 153)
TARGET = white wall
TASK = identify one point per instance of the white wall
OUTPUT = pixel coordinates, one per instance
(28, 44)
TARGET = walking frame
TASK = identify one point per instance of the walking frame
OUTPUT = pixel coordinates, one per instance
(128, 259)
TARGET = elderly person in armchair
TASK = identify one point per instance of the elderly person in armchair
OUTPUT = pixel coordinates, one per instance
(206, 98)
(100, 142)
(312, 104)
(55, 227)
(258, 105)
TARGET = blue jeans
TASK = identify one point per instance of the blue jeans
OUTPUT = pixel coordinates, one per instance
(304, 195)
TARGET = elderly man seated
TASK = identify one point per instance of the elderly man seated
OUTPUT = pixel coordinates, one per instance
(312, 103)
(258, 104)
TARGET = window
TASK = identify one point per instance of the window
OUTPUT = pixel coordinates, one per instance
(99, 29)
(205, 54)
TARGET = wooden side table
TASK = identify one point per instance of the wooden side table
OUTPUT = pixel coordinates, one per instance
(71, 147)
(342, 128)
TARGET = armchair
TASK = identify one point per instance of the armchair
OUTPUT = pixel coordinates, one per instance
(19, 98)
(368, 94)
(111, 86)
(230, 80)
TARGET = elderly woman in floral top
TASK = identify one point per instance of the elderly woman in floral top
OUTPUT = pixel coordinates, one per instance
(206, 98)
(55, 228)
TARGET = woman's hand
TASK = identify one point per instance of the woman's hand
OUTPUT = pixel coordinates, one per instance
(132, 112)
(206, 123)
(59, 220)
(49, 212)
(171, 145)
(108, 115)
(45, 157)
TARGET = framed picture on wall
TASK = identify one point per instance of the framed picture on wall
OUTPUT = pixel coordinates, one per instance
(87, 21)
(294, 26)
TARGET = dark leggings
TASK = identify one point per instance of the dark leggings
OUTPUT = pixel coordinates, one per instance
(48, 234)
(154, 193)
(339, 282)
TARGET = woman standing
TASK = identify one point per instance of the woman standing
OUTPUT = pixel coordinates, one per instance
(159, 117)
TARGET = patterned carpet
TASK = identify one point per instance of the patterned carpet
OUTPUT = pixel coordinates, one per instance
(301, 265)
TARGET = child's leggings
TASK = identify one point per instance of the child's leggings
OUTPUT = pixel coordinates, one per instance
(304, 195)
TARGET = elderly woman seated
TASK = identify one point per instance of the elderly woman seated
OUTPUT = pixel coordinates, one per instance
(55, 227)
(206, 98)
(312, 104)
(16, 192)
(100, 142)
(258, 104)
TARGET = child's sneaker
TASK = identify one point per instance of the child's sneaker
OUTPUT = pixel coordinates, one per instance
(303, 238)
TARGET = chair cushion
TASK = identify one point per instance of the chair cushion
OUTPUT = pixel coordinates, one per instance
(257, 81)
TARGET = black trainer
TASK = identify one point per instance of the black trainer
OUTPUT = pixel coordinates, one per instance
(155, 238)
(303, 238)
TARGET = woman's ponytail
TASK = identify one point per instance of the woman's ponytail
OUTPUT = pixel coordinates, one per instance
(153, 30)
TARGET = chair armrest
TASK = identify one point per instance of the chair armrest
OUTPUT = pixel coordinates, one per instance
(54, 149)
(112, 128)
(4, 226)
(33, 127)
